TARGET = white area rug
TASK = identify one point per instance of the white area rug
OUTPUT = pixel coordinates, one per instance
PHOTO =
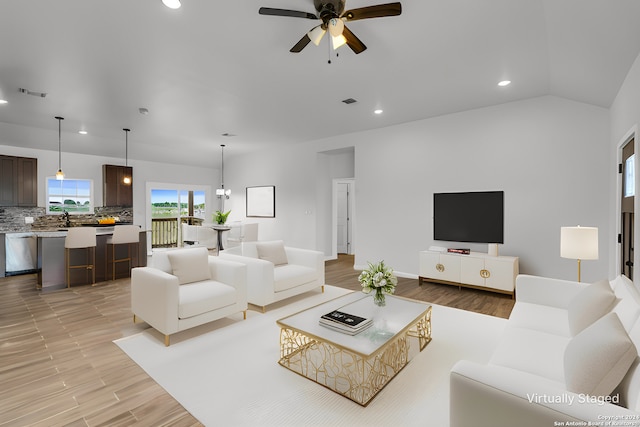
(226, 373)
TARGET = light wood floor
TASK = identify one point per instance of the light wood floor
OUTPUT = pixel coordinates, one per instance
(59, 366)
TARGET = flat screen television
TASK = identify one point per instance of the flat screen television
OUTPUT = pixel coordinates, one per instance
(474, 217)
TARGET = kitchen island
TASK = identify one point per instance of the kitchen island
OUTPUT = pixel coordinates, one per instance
(51, 264)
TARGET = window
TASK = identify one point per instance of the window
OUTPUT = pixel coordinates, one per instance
(71, 195)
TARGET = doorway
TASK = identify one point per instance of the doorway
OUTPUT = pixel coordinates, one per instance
(343, 220)
(627, 208)
(169, 206)
(343, 216)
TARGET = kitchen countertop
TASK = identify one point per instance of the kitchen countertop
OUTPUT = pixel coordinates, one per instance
(61, 232)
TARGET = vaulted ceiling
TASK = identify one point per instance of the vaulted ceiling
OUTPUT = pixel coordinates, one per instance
(218, 67)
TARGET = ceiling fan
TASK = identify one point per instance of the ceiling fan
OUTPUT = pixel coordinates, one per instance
(333, 17)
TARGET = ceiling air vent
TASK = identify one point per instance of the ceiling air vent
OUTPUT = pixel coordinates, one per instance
(32, 93)
(349, 101)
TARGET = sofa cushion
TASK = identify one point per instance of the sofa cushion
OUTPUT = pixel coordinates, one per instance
(629, 388)
(589, 305)
(290, 275)
(160, 260)
(597, 359)
(202, 297)
(543, 318)
(190, 265)
(536, 352)
(272, 251)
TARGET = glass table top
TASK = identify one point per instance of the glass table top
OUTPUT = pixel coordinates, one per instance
(398, 315)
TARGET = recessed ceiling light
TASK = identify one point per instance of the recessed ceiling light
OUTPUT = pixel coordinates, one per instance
(3, 101)
(82, 132)
(171, 4)
(377, 111)
(504, 83)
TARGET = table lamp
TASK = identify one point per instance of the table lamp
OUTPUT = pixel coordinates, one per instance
(579, 243)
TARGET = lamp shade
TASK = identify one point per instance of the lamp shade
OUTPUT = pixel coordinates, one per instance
(316, 34)
(338, 41)
(579, 242)
(336, 26)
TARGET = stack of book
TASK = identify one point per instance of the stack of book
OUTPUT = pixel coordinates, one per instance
(459, 251)
(345, 322)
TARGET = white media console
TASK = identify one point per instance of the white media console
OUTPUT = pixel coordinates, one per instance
(475, 270)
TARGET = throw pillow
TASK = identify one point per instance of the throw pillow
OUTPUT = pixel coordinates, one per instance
(589, 305)
(190, 265)
(597, 359)
(273, 252)
(627, 307)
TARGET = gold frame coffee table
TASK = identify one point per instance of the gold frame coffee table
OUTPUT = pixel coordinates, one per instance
(355, 366)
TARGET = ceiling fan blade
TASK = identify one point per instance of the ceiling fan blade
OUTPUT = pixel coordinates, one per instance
(304, 41)
(286, 12)
(354, 43)
(378, 11)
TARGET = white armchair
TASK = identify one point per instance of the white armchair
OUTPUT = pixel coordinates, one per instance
(184, 288)
(275, 271)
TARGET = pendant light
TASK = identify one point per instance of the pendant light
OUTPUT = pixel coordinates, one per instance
(221, 192)
(59, 174)
(127, 178)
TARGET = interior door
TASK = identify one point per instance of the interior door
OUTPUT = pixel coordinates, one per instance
(343, 218)
(627, 209)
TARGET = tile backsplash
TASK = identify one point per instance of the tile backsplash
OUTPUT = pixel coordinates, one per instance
(12, 219)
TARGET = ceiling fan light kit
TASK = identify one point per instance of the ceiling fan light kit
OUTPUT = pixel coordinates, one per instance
(333, 17)
(316, 34)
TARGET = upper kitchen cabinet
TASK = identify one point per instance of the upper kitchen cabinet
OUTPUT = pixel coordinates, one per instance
(18, 181)
(116, 192)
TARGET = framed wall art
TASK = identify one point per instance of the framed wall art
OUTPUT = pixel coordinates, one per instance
(261, 201)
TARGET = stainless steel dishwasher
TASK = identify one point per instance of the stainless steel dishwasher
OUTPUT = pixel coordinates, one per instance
(21, 252)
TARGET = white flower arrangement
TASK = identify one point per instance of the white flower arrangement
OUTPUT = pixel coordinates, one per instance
(379, 278)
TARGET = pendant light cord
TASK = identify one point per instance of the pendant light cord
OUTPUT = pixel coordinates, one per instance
(126, 146)
(59, 143)
(222, 167)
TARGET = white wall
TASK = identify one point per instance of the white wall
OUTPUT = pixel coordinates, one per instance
(548, 154)
(90, 167)
(625, 119)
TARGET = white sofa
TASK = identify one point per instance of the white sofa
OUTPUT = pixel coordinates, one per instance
(184, 288)
(569, 354)
(276, 271)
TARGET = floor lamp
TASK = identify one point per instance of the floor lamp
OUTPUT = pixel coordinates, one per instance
(579, 243)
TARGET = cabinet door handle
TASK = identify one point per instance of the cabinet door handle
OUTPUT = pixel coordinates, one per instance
(440, 267)
(485, 274)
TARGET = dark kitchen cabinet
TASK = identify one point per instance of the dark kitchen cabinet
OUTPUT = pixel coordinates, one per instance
(116, 192)
(18, 181)
(27, 181)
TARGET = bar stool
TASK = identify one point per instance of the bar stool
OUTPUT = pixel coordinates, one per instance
(123, 235)
(80, 238)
